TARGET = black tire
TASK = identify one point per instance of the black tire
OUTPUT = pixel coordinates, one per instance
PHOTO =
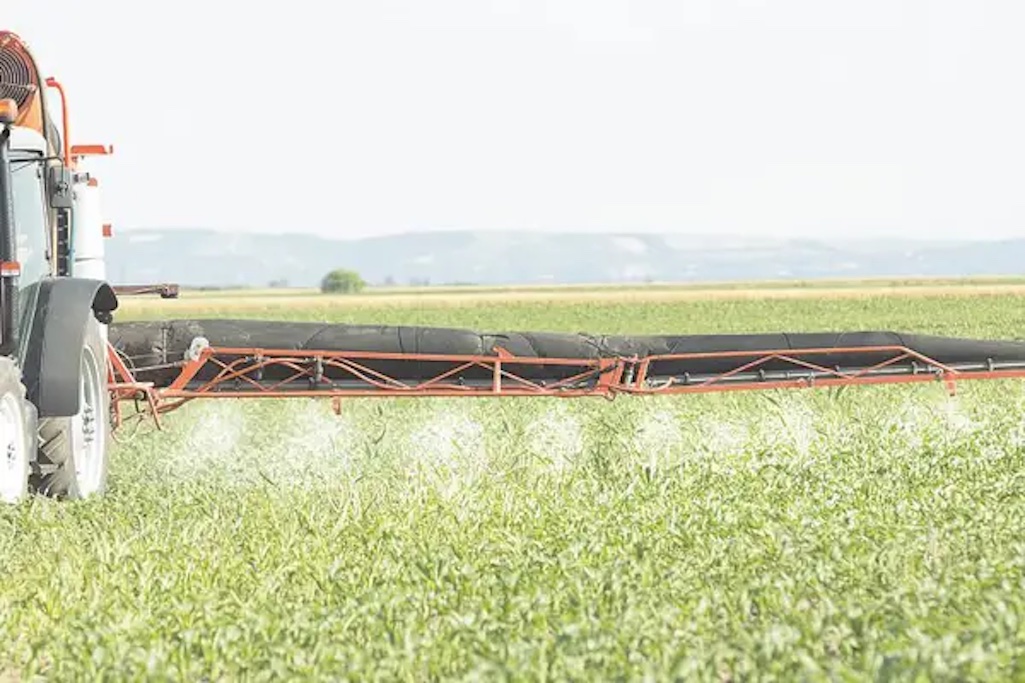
(65, 442)
(15, 460)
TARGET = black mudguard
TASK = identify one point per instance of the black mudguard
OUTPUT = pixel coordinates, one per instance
(52, 365)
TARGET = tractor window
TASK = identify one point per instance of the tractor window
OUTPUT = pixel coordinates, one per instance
(30, 218)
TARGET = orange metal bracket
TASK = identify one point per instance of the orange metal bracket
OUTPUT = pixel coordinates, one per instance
(66, 137)
(79, 151)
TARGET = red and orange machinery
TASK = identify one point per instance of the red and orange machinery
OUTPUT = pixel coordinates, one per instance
(166, 364)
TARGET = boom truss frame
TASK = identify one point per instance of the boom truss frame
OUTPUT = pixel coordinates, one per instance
(239, 373)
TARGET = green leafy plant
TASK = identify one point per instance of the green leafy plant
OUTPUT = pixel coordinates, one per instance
(342, 281)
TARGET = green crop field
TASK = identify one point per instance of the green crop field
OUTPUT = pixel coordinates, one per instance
(871, 532)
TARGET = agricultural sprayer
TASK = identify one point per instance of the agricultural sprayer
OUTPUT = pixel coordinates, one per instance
(66, 368)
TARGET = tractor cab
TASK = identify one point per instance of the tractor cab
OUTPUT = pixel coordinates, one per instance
(27, 234)
(29, 204)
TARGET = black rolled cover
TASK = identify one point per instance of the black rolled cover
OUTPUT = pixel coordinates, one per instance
(152, 344)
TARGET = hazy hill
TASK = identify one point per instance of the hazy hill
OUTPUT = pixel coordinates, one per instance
(207, 258)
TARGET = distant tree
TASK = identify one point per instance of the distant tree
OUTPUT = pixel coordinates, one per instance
(342, 281)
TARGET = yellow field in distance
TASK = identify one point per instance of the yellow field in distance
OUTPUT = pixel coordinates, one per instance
(445, 296)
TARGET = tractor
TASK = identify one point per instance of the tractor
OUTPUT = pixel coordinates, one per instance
(54, 301)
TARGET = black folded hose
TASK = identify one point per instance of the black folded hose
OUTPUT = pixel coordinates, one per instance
(151, 347)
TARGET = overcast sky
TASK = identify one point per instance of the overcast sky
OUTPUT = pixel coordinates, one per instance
(798, 117)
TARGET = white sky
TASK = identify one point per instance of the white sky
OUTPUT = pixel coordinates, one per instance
(344, 118)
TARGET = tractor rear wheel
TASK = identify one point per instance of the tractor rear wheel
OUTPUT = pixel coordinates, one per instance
(72, 459)
(17, 434)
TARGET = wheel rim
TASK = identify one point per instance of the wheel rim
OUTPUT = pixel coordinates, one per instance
(13, 455)
(87, 428)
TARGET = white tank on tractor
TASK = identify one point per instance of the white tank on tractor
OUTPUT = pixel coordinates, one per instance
(88, 231)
